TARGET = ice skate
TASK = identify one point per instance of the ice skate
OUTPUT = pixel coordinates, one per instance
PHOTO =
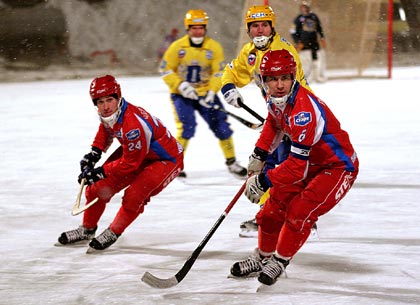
(236, 169)
(272, 270)
(182, 174)
(249, 267)
(249, 228)
(76, 236)
(102, 241)
(314, 233)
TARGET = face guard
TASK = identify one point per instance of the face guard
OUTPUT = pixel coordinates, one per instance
(276, 63)
(260, 13)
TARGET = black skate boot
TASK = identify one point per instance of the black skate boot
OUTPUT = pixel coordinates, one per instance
(103, 241)
(77, 235)
(182, 174)
(272, 270)
(251, 266)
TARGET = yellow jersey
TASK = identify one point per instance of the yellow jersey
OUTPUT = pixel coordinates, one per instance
(246, 67)
(201, 66)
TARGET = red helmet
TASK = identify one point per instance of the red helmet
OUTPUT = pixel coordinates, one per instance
(104, 86)
(278, 62)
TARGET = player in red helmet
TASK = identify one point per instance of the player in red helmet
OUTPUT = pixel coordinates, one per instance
(148, 159)
(107, 86)
(260, 23)
(318, 172)
(278, 63)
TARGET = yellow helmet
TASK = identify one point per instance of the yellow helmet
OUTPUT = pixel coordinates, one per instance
(195, 17)
(260, 13)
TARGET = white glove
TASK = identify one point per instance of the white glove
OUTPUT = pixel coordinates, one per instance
(256, 161)
(254, 189)
(255, 166)
(207, 101)
(188, 91)
(232, 96)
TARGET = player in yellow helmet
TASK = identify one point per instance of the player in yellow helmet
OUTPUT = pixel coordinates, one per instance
(260, 22)
(260, 26)
(192, 68)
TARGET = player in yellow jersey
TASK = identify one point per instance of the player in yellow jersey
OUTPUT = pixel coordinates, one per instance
(192, 68)
(244, 69)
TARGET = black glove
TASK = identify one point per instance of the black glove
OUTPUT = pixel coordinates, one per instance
(92, 175)
(89, 160)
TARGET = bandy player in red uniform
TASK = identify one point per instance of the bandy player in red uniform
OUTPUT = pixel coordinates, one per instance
(148, 159)
(318, 172)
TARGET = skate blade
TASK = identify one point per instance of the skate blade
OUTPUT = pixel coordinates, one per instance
(313, 236)
(263, 288)
(248, 234)
(252, 275)
(78, 244)
(91, 250)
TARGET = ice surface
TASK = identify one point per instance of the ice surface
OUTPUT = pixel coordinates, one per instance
(368, 247)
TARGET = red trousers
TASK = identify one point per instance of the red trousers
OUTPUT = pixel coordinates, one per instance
(147, 181)
(286, 219)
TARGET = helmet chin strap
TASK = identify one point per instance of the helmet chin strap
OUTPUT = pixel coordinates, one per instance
(281, 101)
(113, 118)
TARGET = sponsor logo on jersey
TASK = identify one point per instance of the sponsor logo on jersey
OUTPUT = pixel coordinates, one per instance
(285, 41)
(302, 118)
(181, 53)
(133, 134)
(209, 54)
(118, 134)
(251, 59)
(344, 187)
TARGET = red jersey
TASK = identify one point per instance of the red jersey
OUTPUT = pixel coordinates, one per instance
(143, 138)
(316, 136)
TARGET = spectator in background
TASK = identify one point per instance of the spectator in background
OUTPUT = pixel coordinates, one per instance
(167, 42)
(310, 43)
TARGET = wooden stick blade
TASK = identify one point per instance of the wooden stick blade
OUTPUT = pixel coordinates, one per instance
(77, 210)
(79, 195)
(156, 282)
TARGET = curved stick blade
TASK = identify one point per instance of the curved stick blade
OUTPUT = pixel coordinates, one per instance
(79, 195)
(156, 282)
(77, 210)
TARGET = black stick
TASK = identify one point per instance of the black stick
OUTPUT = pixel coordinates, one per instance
(156, 282)
(256, 115)
(242, 120)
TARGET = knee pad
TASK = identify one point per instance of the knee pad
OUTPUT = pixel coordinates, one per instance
(299, 221)
(269, 220)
